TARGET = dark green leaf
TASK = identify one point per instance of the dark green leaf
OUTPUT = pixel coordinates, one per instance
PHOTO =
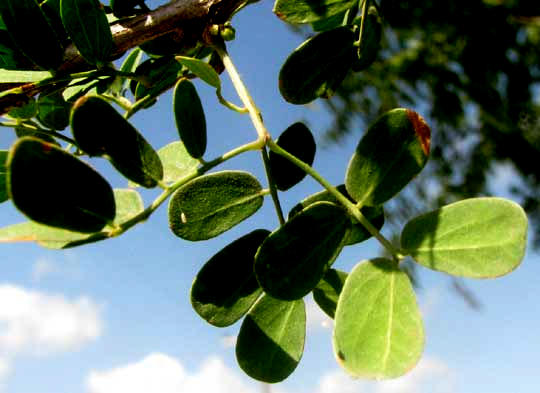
(371, 40)
(54, 188)
(318, 66)
(478, 238)
(358, 232)
(393, 150)
(128, 204)
(190, 119)
(378, 329)
(51, 9)
(100, 130)
(271, 340)
(298, 141)
(294, 258)
(53, 111)
(87, 25)
(212, 204)
(327, 291)
(123, 8)
(202, 69)
(166, 45)
(161, 74)
(27, 111)
(130, 64)
(329, 23)
(177, 162)
(24, 132)
(308, 11)
(42, 46)
(226, 286)
(3, 187)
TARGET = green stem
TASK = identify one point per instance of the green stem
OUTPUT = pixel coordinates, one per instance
(229, 104)
(362, 22)
(351, 207)
(35, 128)
(273, 190)
(138, 105)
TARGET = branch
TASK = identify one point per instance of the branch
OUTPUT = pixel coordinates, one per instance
(188, 20)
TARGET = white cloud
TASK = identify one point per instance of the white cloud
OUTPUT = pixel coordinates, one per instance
(430, 376)
(161, 373)
(67, 268)
(39, 323)
(42, 268)
(5, 370)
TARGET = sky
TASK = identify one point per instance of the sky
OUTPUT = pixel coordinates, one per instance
(115, 316)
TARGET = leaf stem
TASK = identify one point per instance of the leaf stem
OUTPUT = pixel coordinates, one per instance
(229, 104)
(272, 186)
(362, 22)
(34, 128)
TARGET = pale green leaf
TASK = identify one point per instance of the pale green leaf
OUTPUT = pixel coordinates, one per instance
(15, 76)
(202, 69)
(176, 161)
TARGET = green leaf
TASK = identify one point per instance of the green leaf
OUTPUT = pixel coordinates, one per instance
(393, 150)
(294, 258)
(378, 329)
(54, 188)
(478, 238)
(309, 11)
(27, 111)
(318, 66)
(214, 203)
(271, 339)
(87, 25)
(226, 287)
(329, 23)
(327, 291)
(15, 76)
(161, 73)
(202, 69)
(298, 141)
(190, 119)
(3, 173)
(358, 232)
(128, 204)
(130, 64)
(42, 47)
(101, 131)
(371, 40)
(53, 110)
(177, 162)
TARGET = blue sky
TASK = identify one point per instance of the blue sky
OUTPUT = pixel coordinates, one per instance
(115, 316)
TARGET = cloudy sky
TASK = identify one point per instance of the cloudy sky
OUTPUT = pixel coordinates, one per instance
(115, 316)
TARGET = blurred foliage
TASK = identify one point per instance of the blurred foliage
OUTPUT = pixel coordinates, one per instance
(473, 69)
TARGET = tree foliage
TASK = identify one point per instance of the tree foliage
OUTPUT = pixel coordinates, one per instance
(262, 277)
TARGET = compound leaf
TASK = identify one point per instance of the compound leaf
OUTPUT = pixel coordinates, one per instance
(271, 339)
(378, 329)
(214, 203)
(478, 238)
(226, 287)
(294, 258)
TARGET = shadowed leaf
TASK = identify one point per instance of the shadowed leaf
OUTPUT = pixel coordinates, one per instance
(327, 291)
(3, 186)
(309, 11)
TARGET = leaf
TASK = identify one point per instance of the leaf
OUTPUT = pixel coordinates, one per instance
(53, 111)
(318, 66)
(298, 141)
(271, 339)
(161, 73)
(202, 69)
(100, 130)
(190, 119)
(393, 150)
(87, 25)
(3, 186)
(54, 188)
(128, 204)
(327, 291)
(294, 258)
(309, 11)
(42, 48)
(130, 64)
(378, 329)
(123, 8)
(329, 23)
(226, 287)
(358, 232)
(371, 40)
(27, 111)
(176, 161)
(214, 203)
(16, 76)
(477, 238)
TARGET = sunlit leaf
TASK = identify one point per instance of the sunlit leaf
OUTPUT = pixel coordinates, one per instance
(298, 141)
(54, 188)
(308, 11)
(202, 69)
(214, 203)
(190, 118)
(327, 291)
(87, 25)
(16, 76)
(393, 150)
(271, 340)
(479, 238)
(358, 233)
(176, 161)
(294, 258)
(130, 64)
(378, 329)
(226, 287)
(318, 66)
(3, 186)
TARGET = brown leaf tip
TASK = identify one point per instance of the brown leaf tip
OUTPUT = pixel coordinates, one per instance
(421, 129)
